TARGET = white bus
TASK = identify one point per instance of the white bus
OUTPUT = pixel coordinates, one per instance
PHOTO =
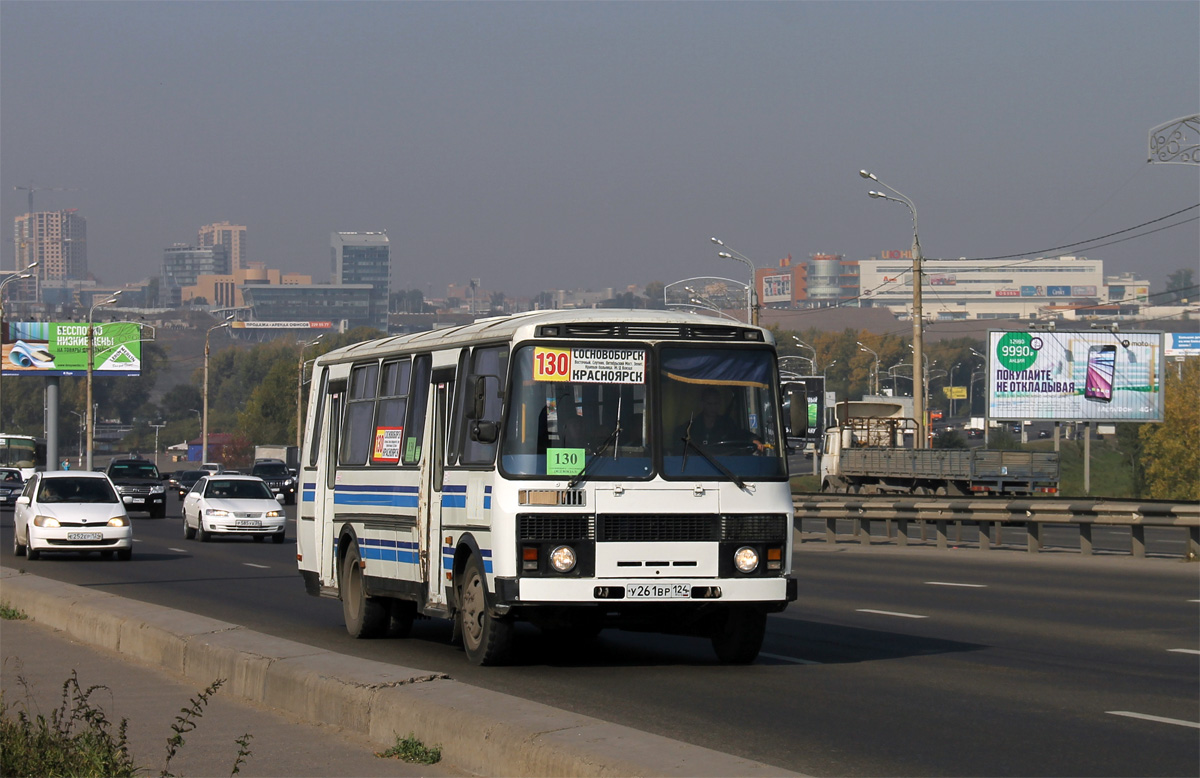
(577, 469)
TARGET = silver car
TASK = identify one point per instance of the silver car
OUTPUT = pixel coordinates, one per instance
(232, 505)
(71, 511)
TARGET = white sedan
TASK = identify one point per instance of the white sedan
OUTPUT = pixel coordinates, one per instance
(67, 510)
(233, 505)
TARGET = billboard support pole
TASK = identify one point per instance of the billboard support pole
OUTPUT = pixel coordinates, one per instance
(1087, 457)
(52, 460)
(1057, 429)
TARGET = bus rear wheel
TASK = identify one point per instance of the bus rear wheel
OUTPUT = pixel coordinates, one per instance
(486, 638)
(739, 638)
(366, 617)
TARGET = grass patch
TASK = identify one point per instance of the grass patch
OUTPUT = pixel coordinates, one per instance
(9, 613)
(412, 750)
(806, 483)
(1111, 473)
(78, 740)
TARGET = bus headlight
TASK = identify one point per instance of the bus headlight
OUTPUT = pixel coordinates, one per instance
(562, 559)
(745, 559)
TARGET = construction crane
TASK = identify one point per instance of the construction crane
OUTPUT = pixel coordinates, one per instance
(31, 189)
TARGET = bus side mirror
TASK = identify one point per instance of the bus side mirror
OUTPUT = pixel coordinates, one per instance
(478, 397)
(485, 431)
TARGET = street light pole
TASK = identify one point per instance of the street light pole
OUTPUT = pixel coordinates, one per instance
(79, 451)
(204, 405)
(751, 291)
(861, 347)
(22, 275)
(91, 358)
(918, 319)
(300, 395)
(802, 344)
(156, 427)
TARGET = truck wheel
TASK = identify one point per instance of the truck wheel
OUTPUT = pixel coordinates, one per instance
(366, 617)
(486, 638)
(739, 638)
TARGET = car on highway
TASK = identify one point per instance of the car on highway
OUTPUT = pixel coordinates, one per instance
(11, 484)
(232, 505)
(277, 477)
(72, 511)
(140, 485)
(188, 479)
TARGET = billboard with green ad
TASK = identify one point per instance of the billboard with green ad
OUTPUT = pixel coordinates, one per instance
(1075, 376)
(61, 348)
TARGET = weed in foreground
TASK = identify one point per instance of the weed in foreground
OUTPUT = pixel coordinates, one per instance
(187, 721)
(412, 750)
(9, 613)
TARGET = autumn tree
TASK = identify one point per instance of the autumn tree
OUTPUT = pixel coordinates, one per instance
(1171, 450)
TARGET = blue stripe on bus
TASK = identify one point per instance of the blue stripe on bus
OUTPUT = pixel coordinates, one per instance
(448, 559)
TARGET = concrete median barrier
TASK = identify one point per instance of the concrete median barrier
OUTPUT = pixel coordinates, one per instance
(480, 731)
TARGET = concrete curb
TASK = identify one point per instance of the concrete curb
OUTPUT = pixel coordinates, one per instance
(478, 730)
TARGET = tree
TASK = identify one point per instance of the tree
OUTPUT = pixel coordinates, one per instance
(654, 296)
(1180, 286)
(1171, 450)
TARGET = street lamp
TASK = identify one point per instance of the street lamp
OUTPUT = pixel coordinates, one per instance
(156, 427)
(802, 344)
(300, 395)
(730, 253)
(91, 358)
(861, 347)
(204, 404)
(917, 314)
(22, 275)
(697, 300)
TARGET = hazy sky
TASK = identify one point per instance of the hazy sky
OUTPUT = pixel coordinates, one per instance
(539, 145)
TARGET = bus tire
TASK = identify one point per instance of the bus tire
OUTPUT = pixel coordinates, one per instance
(739, 637)
(366, 617)
(486, 638)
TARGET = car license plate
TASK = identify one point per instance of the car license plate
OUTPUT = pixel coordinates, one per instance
(247, 523)
(85, 536)
(657, 591)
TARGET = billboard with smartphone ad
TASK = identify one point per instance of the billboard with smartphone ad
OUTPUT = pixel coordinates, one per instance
(50, 348)
(1075, 376)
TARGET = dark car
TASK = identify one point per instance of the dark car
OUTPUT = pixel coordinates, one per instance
(11, 484)
(140, 485)
(188, 479)
(277, 477)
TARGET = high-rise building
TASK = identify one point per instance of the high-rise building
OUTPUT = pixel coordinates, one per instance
(56, 240)
(232, 236)
(183, 265)
(364, 258)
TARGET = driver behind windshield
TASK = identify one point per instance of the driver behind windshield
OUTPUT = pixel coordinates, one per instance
(710, 425)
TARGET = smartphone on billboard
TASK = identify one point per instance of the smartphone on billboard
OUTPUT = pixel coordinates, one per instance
(1101, 366)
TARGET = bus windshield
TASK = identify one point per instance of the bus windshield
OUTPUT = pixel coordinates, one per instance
(586, 412)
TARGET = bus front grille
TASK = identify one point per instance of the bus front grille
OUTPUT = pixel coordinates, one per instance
(755, 528)
(641, 528)
(555, 527)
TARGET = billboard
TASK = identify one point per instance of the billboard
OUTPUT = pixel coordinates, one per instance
(777, 289)
(281, 325)
(1075, 376)
(1183, 344)
(61, 348)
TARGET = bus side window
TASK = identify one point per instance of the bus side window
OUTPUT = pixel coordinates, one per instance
(483, 390)
(458, 411)
(360, 415)
(318, 420)
(392, 409)
(414, 430)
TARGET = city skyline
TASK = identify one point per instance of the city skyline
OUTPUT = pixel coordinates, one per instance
(557, 146)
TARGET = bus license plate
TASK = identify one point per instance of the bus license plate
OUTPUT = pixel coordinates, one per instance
(657, 591)
(247, 523)
(85, 536)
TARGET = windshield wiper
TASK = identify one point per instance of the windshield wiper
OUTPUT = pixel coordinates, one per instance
(595, 455)
(688, 442)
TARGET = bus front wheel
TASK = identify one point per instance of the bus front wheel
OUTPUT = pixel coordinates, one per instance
(739, 638)
(366, 617)
(485, 637)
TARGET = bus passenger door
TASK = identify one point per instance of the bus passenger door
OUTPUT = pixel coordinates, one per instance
(323, 500)
(433, 468)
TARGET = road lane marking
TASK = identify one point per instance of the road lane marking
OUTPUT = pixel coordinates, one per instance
(1159, 719)
(892, 613)
(1183, 651)
(180, 550)
(260, 567)
(948, 583)
(792, 659)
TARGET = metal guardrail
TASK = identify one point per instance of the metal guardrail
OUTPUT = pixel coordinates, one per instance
(993, 515)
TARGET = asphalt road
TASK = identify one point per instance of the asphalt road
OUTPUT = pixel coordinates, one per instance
(892, 662)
